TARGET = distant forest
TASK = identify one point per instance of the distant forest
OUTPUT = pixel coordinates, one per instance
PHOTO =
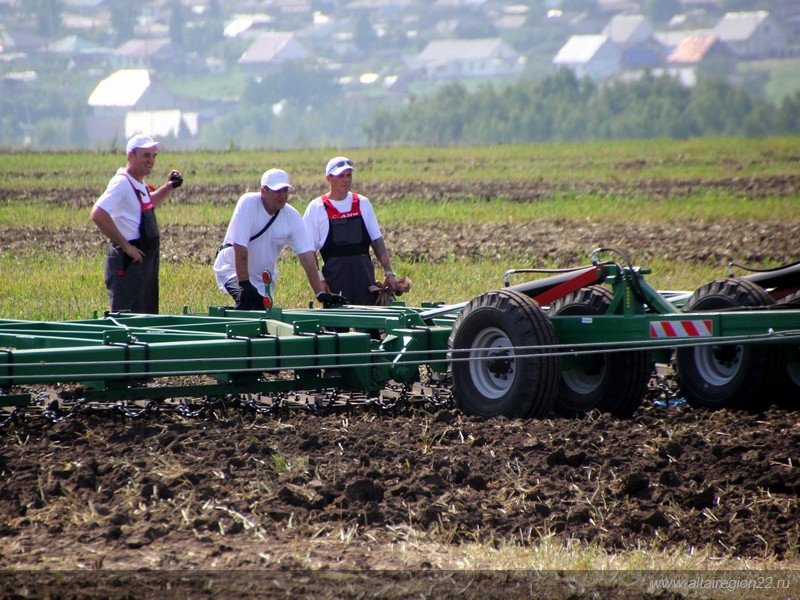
(563, 108)
(556, 108)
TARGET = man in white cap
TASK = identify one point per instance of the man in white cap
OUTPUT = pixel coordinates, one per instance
(263, 223)
(342, 227)
(125, 214)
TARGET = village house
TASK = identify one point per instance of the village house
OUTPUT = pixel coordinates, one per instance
(81, 53)
(272, 49)
(595, 56)
(752, 35)
(696, 53)
(633, 34)
(468, 58)
(118, 94)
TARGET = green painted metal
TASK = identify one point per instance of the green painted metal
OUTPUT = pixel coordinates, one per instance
(118, 355)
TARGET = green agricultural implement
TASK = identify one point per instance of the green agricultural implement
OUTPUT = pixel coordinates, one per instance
(570, 342)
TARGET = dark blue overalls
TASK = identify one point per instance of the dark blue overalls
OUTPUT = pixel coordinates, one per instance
(348, 268)
(134, 286)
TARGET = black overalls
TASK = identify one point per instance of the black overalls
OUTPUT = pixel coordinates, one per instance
(134, 286)
(348, 268)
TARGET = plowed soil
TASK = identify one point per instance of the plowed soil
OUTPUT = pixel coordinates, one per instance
(387, 504)
(564, 243)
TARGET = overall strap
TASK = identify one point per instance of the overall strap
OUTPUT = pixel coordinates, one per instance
(333, 214)
(142, 204)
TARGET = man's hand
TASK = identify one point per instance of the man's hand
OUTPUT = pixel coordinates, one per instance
(176, 179)
(390, 280)
(135, 254)
(249, 298)
(329, 299)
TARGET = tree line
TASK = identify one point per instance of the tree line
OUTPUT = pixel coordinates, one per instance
(561, 107)
(298, 108)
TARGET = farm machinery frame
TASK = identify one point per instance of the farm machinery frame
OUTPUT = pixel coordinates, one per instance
(570, 342)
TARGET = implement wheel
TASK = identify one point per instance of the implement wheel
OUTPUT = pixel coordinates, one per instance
(741, 376)
(494, 374)
(789, 389)
(614, 382)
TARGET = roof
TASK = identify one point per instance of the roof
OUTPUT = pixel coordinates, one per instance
(21, 76)
(672, 38)
(692, 49)
(618, 6)
(272, 45)
(141, 47)
(241, 23)
(509, 22)
(21, 40)
(376, 5)
(6, 41)
(739, 26)
(580, 49)
(473, 49)
(97, 21)
(121, 88)
(628, 29)
(72, 44)
(84, 4)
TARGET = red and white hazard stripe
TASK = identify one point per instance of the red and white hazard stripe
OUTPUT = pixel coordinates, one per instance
(682, 329)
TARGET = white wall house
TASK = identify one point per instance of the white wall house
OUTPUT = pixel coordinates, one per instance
(753, 34)
(593, 56)
(455, 59)
(171, 124)
(629, 30)
(272, 49)
(118, 94)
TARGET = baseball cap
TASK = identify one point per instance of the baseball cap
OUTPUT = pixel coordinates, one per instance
(142, 141)
(337, 165)
(276, 179)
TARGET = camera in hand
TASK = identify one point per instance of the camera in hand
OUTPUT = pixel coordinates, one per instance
(328, 300)
(176, 179)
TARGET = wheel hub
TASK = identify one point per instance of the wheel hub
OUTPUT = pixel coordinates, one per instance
(492, 364)
(499, 367)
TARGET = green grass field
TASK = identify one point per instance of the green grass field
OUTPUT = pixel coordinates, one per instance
(561, 162)
(55, 190)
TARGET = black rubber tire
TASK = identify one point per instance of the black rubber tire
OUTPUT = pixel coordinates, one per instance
(743, 376)
(788, 394)
(614, 382)
(491, 383)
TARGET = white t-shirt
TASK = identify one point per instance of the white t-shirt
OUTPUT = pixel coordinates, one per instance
(317, 224)
(120, 201)
(249, 217)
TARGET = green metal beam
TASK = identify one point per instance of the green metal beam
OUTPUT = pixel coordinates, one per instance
(121, 352)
